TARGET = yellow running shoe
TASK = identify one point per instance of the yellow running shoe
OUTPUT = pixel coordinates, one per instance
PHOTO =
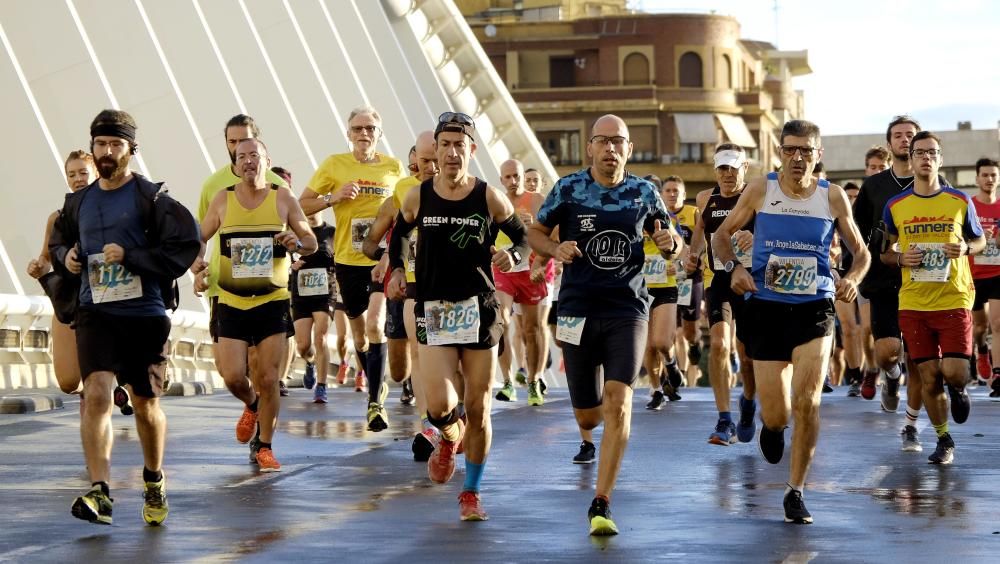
(154, 505)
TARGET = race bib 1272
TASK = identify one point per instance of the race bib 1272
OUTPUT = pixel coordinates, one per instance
(252, 257)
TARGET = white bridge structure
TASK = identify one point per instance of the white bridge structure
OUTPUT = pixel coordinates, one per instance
(183, 68)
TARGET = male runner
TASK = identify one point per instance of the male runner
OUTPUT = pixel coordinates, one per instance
(725, 307)
(355, 184)
(935, 226)
(986, 274)
(259, 225)
(533, 180)
(788, 327)
(881, 284)
(130, 240)
(690, 287)
(602, 212)
(314, 293)
(523, 287)
(401, 323)
(457, 312)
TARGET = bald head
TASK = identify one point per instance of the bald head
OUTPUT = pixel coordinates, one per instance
(609, 125)
(426, 155)
(609, 149)
(512, 176)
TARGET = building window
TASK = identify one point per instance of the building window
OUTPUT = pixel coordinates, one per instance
(691, 153)
(562, 72)
(965, 177)
(635, 70)
(727, 72)
(562, 147)
(690, 70)
(643, 143)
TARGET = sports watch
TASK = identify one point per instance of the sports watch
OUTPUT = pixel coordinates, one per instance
(729, 266)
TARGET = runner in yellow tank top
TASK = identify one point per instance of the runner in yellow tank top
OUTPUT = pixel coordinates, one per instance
(253, 306)
(355, 184)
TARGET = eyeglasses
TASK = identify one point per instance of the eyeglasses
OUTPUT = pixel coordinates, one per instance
(932, 153)
(369, 129)
(790, 150)
(456, 117)
(604, 140)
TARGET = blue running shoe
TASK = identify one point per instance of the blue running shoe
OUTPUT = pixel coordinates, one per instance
(725, 433)
(319, 394)
(309, 378)
(746, 428)
(734, 363)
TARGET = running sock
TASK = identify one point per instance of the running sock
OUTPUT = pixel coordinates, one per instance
(253, 406)
(425, 423)
(150, 476)
(460, 409)
(726, 416)
(983, 349)
(911, 416)
(264, 445)
(789, 487)
(473, 476)
(996, 374)
(451, 433)
(363, 357)
(375, 370)
(893, 372)
(941, 429)
(853, 375)
(104, 487)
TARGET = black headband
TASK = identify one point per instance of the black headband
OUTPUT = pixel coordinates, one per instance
(121, 130)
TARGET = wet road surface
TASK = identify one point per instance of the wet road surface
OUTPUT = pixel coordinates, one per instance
(348, 495)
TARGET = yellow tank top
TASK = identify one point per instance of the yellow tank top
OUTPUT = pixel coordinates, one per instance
(253, 269)
(403, 188)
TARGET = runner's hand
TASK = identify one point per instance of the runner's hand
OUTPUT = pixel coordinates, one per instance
(538, 275)
(199, 265)
(289, 240)
(348, 191)
(912, 257)
(397, 285)
(297, 265)
(955, 250)
(847, 290)
(744, 240)
(741, 281)
(38, 267)
(72, 264)
(526, 218)
(501, 259)
(691, 262)
(200, 282)
(663, 238)
(378, 272)
(113, 253)
(566, 252)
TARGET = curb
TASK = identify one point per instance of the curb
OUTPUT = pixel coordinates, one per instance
(190, 389)
(29, 404)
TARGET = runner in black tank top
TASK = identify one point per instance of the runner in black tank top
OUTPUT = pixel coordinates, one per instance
(724, 307)
(458, 317)
(314, 291)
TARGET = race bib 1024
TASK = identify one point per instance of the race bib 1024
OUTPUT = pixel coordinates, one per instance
(452, 323)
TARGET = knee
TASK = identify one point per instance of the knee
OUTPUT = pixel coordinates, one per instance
(887, 352)
(774, 418)
(589, 420)
(146, 408)
(805, 405)
(69, 387)
(303, 348)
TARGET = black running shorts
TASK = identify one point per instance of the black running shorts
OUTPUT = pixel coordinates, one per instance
(394, 326)
(884, 309)
(723, 304)
(255, 324)
(778, 328)
(356, 287)
(986, 289)
(617, 344)
(662, 296)
(130, 347)
(490, 323)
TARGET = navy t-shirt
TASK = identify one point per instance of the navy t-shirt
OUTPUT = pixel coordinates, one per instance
(607, 225)
(113, 216)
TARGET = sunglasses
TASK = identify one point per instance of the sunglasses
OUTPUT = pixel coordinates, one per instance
(456, 117)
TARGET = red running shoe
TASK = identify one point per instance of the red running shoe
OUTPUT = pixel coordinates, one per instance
(441, 464)
(470, 508)
(868, 385)
(984, 367)
(246, 426)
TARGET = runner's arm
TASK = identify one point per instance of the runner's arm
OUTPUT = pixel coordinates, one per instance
(849, 235)
(742, 213)
(508, 221)
(383, 221)
(296, 221)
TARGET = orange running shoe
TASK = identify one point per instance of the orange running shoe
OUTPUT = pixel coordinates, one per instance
(359, 381)
(267, 462)
(342, 374)
(441, 464)
(246, 426)
(470, 508)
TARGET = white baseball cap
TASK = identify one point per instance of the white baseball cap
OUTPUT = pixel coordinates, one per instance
(731, 158)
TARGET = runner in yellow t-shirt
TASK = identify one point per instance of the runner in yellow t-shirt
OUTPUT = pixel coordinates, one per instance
(355, 184)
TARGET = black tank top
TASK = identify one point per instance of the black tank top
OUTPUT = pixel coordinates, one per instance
(322, 258)
(453, 249)
(716, 211)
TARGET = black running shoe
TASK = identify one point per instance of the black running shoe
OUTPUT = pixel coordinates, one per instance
(122, 401)
(656, 402)
(674, 376)
(854, 391)
(945, 451)
(995, 387)
(255, 446)
(424, 444)
(282, 388)
(406, 396)
(772, 444)
(587, 454)
(960, 404)
(670, 391)
(694, 353)
(599, 516)
(827, 388)
(795, 508)
(93, 506)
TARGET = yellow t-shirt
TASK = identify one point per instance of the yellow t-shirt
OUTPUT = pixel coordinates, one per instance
(253, 267)
(654, 268)
(403, 188)
(219, 181)
(686, 218)
(939, 283)
(353, 218)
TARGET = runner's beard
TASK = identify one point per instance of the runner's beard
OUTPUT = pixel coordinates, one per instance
(108, 167)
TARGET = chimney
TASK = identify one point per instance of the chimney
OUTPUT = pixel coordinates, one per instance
(964, 125)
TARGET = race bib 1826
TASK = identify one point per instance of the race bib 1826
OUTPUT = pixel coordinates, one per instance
(452, 323)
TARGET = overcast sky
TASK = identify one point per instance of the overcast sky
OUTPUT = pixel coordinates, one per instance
(873, 59)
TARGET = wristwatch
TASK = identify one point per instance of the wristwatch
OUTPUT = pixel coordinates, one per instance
(516, 256)
(326, 198)
(729, 266)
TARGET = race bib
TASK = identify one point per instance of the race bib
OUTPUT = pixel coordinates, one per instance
(452, 323)
(684, 288)
(570, 329)
(313, 282)
(654, 269)
(111, 282)
(359, 230)
(791, 275)
(680, 274)
(252, 257)
(990, 255)
(934, 266)
(743, 257)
